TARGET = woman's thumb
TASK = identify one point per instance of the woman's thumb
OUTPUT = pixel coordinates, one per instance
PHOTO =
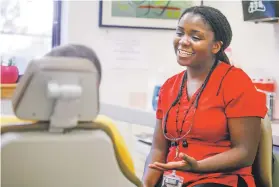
(187, 158)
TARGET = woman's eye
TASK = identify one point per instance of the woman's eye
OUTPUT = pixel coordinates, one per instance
(195, 38)
(179, 33)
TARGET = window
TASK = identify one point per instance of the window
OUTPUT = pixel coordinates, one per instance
(28, 29)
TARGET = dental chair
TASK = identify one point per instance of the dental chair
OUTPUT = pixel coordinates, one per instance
(265, 167)
(58, 139)
(275, 178)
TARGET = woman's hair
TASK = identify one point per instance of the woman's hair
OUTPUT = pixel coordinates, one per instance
(219, 24)
(79, 51)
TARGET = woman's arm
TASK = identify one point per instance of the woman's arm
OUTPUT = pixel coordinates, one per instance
(157, 153)
(245, 136)
(241, 100)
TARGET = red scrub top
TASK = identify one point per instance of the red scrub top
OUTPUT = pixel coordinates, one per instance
(229, 93)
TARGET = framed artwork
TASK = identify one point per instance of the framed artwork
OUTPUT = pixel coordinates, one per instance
(145, 14)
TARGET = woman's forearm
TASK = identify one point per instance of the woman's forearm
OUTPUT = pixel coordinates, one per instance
(151, 176)
(230, 160)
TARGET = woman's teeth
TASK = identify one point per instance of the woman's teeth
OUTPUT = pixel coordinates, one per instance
(184, 53)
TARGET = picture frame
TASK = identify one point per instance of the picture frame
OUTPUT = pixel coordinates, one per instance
(162, 14)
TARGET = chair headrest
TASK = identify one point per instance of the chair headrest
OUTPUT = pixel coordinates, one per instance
(61, 90)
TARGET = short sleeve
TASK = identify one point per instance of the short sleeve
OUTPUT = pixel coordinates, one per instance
(159, 111)
(241, 97)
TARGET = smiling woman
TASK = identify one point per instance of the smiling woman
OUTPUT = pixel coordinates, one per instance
(208, 116)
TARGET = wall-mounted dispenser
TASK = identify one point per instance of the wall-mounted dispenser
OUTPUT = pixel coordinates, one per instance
(261, 11)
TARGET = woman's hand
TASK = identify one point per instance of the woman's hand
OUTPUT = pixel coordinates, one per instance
(186, 164)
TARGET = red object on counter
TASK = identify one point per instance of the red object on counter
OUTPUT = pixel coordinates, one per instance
(258, 83)
(270, 85)
(9, 74)
(267, 84)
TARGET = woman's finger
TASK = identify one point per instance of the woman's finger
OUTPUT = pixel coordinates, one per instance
(170, 165)
(153, 166)
(187, 158)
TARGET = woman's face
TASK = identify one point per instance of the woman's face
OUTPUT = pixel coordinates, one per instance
(194, 41)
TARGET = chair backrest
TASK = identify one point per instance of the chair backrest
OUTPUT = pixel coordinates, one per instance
(275, 179)
(60, 90)
(63, 147)
(262, 167)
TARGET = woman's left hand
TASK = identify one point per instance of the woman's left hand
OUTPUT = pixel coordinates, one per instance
(186, 164)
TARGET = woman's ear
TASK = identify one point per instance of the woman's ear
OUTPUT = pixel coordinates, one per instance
(217, 46)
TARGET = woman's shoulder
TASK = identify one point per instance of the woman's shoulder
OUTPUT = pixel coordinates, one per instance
(237, 76)
(172, 81)
(233, 71)
(238, 83)
(241, 97)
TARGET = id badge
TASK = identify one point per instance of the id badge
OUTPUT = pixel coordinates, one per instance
(172, 180)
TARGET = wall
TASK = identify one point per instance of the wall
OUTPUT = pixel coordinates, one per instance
(119, 84)
(255, 49)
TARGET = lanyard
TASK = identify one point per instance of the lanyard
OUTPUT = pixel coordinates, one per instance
(177, 101)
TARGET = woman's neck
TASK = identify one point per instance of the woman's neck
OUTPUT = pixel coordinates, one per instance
(199, 72)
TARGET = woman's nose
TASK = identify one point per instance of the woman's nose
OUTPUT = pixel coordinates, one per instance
(184, 40)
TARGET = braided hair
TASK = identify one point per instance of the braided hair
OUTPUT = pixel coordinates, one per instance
(219, 24)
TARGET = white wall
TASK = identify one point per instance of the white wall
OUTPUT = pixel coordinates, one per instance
(255, 49)
(119, 85)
